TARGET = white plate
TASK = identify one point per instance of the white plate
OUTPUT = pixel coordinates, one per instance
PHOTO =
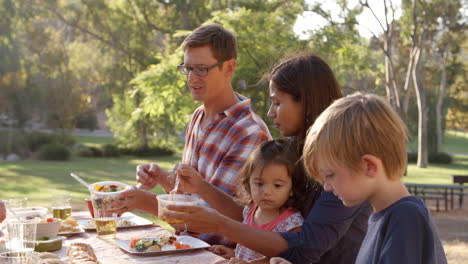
(195, 243)
(69, 233)
(136, 221)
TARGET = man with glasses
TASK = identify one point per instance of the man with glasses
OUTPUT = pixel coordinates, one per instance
(222, 132)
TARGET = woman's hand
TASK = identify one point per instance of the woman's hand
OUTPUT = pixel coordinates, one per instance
(198, 219)
(222, 251)
(190, 180)
(135, 198)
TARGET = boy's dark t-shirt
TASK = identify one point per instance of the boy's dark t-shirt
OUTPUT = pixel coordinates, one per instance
(402, 233)
(331, 234)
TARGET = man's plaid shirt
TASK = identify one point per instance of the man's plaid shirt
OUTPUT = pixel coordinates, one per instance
(220, 150)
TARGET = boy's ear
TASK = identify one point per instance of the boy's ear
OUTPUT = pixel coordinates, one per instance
(372, 165)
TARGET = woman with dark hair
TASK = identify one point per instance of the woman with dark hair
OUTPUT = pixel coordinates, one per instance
(300, 89)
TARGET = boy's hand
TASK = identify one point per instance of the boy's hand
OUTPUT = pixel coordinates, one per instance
(277, 260)
(222, 251)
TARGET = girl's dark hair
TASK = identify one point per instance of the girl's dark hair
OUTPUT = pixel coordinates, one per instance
(309, 80)
(279, 152)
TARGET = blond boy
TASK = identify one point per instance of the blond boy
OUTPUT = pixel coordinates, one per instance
(357, 149)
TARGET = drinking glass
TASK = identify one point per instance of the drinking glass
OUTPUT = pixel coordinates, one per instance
(16, 257)
(106, 223)
(61, 205)
(21, 234)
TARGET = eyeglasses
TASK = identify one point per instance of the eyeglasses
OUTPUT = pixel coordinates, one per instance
(198, 71)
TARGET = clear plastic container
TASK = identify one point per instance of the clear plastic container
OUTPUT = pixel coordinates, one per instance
(104, 195)
(178, 199)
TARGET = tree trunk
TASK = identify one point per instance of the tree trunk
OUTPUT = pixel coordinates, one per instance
(439, 105)
(422, 110)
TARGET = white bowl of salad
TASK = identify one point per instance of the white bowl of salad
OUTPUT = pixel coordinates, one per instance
(103, 193)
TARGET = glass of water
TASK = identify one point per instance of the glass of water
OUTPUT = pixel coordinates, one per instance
(21, 235)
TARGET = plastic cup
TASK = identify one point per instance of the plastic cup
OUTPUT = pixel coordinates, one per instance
(178, 199)
(106, 200)
(61, 205)
(106, 223)
(21, 235)
(89, 203)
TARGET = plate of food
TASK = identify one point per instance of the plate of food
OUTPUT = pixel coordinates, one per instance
(70, 226)
(127, 220)
(163, 244)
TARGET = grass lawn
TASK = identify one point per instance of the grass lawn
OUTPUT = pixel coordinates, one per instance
(39, 179)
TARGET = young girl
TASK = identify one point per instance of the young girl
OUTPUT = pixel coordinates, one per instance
(271, 192)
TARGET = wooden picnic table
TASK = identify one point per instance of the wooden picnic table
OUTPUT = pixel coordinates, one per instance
(108, 252)
(437, 192)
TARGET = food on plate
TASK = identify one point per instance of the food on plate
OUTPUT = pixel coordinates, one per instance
(120, 223)
(81, 253)
(162, 243)
(69, 225)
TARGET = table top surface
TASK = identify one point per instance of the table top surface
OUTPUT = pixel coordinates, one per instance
(107, 251)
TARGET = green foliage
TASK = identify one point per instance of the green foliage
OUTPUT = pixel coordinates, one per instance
(440, 158)
(87, 120)
(150, 152)
(54, 152)
(35, 140)
(264, 37)
(110, 150)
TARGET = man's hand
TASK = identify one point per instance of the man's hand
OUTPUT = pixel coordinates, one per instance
(190, 180)
(150, 175)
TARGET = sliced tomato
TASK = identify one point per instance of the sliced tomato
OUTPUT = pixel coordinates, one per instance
(179, 245)
(50, 220)
(133, 241)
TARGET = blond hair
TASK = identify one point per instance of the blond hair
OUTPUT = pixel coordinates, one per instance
(221, 41)
(354, 126)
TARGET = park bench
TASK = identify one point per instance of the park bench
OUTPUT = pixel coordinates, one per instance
(438, 193)
(461, 180)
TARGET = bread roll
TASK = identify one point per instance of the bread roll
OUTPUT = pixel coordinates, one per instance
(81, 253)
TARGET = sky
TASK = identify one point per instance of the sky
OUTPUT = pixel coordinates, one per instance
(310, 20)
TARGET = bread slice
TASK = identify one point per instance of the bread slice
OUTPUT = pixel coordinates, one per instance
(81, 253)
